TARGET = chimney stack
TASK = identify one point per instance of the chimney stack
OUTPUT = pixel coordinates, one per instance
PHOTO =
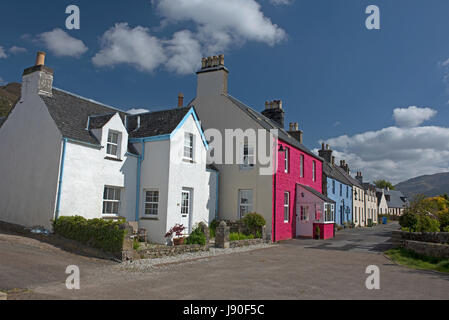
(344, 166)
(273, 111)
(212, 77)
(180, 100)
(40, 58)
(333, 160)
(37, 79)
(359, 176)
(295, 132)
(325, 153)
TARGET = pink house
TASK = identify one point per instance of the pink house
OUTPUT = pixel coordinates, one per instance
(297, 185)
(242, 188)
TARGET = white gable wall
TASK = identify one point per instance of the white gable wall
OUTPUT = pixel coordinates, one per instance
(87, 172)
(30, 145)
(165, 159)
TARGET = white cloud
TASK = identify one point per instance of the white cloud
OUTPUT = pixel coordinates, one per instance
(218, 25)
(412, 116)
(137, 111)
(17, 50)
(3, 54)
(184, 53)
(223, 23)
(2, 82)
(395, 154)
(122, 44)
(61, 44)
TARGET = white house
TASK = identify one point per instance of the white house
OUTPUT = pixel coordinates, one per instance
(65, 155)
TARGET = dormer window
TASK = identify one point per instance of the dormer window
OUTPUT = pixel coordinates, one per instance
(112, 147)
(188, 147)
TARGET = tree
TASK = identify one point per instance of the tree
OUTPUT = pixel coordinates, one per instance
(384, 184)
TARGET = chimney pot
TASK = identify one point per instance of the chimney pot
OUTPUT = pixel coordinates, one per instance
(221, 59)
(40, 58)
(180, 100)
(333, 160)
(322, 146)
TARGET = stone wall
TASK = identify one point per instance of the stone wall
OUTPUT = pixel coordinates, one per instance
(245, 243)
(428, 244)
(433, 237)
(160, 251)
(428, 249)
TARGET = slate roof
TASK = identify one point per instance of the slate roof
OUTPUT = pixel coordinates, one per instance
(268, 124)
(395, 199)
(333, 172)
(316, 193)
(98, 121)
(156, 123)
(353, 181)
(71, 112)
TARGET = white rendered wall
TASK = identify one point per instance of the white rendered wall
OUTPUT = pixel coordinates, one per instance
(154, 176)
(164, 159)
(87, 172)
(30, 145)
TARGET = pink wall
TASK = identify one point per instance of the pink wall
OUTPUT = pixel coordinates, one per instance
(327, 230)
(286, 182)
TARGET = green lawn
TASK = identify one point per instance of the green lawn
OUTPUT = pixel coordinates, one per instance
(416, 261)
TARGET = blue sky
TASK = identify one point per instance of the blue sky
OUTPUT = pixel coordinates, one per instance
(340, 81)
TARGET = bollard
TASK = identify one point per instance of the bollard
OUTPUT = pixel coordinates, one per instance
(222, 236)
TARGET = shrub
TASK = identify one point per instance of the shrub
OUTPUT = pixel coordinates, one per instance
(235, 236)
(254, 222)
(409, 221)
(197, 237)
(213, 227)
(427, 224)
(444, 221)
(446, 229)
(97, 233)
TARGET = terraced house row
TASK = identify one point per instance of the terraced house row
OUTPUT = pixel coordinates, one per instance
(73, 156)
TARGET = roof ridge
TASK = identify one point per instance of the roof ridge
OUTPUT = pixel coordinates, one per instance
(89, 100)
(163, 110)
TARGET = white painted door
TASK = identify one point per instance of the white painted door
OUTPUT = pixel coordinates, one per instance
(186, 201)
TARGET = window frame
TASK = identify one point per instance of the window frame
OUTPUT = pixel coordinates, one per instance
(249, 205)
(112, 201)
(113, 144)
(286, 207)
(301, 166)
(190, 139)
(248, 158)
(314, 171)
(287, 160)
(145, 203)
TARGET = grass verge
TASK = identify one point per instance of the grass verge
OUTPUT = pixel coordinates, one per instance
(413, 260)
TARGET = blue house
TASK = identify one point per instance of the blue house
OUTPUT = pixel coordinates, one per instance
(337, 187)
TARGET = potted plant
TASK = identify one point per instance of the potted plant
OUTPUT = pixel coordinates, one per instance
(317, 232)
(173, 236)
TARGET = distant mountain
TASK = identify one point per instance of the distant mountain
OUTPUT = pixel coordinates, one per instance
(9, 95)
(430, 186)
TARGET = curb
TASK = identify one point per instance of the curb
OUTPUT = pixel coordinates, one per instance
(3, 296)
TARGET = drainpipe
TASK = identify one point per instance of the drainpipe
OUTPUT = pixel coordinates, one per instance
(61, 173)
(139, 169)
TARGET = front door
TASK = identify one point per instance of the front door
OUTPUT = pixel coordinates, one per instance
(185, 209)
(304, 222)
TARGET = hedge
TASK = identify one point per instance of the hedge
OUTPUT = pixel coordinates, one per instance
(97, 233)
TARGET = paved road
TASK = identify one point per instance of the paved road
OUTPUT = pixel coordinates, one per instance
(373, 240)
(292, 270)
